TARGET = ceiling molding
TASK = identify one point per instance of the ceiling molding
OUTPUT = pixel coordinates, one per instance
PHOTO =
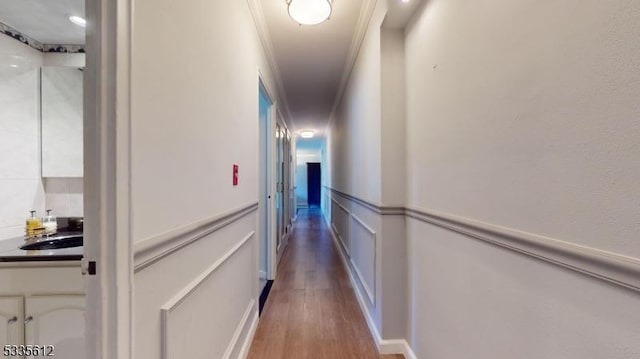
(366, 14)
(255, 8)
(35, 44)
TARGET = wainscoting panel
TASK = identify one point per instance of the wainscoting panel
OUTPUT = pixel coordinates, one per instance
(340, 216)
(190, 323)
(199, 300)
(612, 267)
(363, 256)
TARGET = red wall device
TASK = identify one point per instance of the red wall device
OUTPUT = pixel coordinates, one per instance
(235, 175)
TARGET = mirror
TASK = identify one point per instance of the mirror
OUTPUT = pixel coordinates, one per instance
(61, 114)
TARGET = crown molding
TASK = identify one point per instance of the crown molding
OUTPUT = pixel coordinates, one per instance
(255, 7)
(366, 14)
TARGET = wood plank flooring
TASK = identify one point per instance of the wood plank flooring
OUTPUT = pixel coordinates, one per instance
(312, 311)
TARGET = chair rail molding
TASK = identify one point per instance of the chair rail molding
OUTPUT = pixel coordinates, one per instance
(152, 249)
(611, 267)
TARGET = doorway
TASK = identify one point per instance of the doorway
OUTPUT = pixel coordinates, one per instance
(314, 179)
(264, 205)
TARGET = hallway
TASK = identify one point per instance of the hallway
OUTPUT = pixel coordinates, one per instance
(312, 311)
(476, 165)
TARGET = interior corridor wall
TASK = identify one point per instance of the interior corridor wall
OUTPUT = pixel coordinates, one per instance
(355, 133)
(523, 115)
(366, 149)
(194, 114)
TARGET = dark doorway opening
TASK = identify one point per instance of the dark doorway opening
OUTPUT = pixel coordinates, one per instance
(313, 184)
(264, 295)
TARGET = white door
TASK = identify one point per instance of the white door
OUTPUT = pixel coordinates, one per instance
(11, 319)
(56, 320)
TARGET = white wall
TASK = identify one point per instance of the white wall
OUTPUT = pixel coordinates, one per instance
(366, 154)
(510, 121)
(195, 106)
(355, 161)
(524, 115)
(393, 126)
(21, 188)
(355, 133)
(195, 114)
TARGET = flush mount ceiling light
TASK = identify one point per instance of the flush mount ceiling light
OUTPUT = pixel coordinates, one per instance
(306, 134)
(80, 21)
(309, 12)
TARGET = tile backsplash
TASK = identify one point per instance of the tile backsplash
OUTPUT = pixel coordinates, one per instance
(64, 196)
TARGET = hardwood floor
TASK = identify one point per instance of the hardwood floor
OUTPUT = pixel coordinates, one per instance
(312, 312)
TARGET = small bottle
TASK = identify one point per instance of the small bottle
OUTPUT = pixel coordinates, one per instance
(50, 224)
(34, 225)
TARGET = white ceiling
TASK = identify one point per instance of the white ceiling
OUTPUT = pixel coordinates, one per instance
(46, 21)
(311, 59)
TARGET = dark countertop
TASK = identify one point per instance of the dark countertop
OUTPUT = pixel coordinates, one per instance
(10, 252)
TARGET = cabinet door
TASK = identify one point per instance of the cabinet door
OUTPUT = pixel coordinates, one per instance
(56, 320)
(61, 112)
(11, 319)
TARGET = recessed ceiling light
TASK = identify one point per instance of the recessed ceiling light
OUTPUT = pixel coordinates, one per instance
(80, 21)
(405, 1)
(309, 12)
(306, 134)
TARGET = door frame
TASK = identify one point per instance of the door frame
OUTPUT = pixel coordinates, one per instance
(286, 187)
(269, 199)
(107, 200)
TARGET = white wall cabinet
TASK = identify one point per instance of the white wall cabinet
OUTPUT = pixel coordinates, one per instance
(62, 134)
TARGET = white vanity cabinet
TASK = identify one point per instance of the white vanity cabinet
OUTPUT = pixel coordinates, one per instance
(11, 320)
(56, 320)
(43, 304)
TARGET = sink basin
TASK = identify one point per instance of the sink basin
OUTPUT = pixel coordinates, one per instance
(54, 242)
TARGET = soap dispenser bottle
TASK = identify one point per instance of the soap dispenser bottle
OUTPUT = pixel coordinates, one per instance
(50, 224)
(34, 225)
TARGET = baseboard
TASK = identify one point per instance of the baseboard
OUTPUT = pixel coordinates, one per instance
(246, 346)
(385, 346)
(396, 346)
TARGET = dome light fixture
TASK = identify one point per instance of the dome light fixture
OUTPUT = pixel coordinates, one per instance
(309, 12)
(306, 134)
(80, 21)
